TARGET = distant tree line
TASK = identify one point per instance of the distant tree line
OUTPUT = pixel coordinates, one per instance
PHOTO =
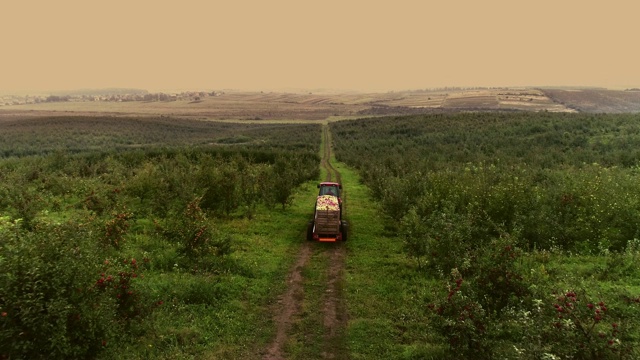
(56, 98)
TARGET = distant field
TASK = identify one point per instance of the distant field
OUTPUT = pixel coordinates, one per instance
(597, 100)
(41, 135)
(479, 101)
(296, 107)
(258, 106)
(245, 106)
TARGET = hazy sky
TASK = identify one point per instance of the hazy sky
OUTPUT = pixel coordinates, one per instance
(348, 44)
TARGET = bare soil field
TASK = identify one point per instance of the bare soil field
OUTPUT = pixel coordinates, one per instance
(596, 100)
(272, 106)
(476, 101)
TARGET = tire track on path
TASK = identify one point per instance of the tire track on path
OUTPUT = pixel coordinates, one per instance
(334, 307)
(289, 304)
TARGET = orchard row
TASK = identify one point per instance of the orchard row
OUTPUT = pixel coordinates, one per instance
(82, 234)
(529, 221)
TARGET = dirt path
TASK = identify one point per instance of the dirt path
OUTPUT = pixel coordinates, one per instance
(289, 304)
(333, 306)
(334, 309)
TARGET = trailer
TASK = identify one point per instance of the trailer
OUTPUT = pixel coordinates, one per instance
(327, 224)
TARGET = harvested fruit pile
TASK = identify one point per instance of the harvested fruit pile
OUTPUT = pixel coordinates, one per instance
(327, 202)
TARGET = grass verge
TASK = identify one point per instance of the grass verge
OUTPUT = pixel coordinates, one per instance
(383, 292)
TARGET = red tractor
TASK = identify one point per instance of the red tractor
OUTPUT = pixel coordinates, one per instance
(327, 224)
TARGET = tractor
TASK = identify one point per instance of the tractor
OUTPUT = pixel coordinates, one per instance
(327, 224)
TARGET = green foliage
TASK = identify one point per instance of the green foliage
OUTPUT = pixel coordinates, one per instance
(194, 234)
(443, 240)
(500, 280)
(148, 185)
(118, 280)
(116, 228)
(578, 327)
(284, 179)
(52, 307)
(90, 222)
(222, 183)
(462, 320)
(25, 204)
(483, 289)
(490, 204)
(547, 174)
(25, 137)
(498, 310)
(252, 180)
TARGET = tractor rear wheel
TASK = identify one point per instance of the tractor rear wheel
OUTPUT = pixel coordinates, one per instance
(344, 229)
(310, 231)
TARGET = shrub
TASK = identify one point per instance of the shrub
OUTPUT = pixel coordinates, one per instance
(222, 188)
(195, 236)
(117, 281)
(482, 299)
(444, 239)
(283, 180)
(462, 321)
(151, 187)
(26, 203)
(499, 280)
(49, 305)
(116, 228)
(573, 325)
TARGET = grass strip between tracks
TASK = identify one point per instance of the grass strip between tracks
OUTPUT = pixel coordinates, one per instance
(383, 292)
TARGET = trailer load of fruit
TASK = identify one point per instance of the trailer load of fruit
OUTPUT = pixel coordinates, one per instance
(327, 202)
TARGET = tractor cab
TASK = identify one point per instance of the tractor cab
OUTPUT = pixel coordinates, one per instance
(330, 188)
